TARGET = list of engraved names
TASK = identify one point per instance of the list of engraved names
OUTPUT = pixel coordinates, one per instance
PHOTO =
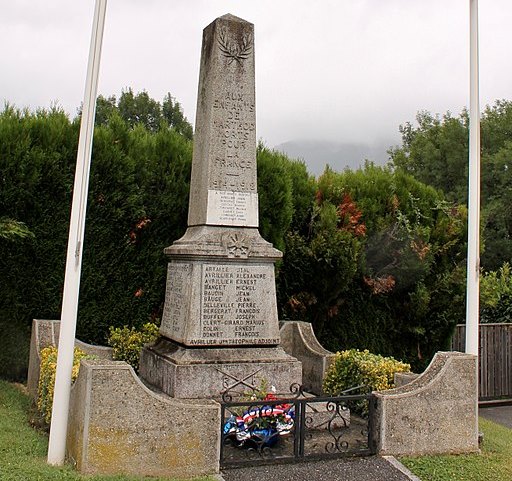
(233, 310)
(176, 296)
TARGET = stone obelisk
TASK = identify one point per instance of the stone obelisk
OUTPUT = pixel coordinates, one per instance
(220, 324)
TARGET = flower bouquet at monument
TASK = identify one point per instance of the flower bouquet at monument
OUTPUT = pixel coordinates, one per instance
(262, 424)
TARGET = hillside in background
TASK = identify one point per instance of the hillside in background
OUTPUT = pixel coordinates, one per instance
(339, 155)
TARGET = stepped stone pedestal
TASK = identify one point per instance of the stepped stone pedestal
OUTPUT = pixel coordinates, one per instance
(220, 328)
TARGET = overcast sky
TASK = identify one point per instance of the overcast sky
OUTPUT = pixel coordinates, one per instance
(337, 70)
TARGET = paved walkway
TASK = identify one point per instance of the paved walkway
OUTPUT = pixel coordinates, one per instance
(499, 414)
(373, 468)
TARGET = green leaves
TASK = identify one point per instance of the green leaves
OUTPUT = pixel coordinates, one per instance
(11, 229)
(377, 267)
(128, 342)
(353, 368)
(436, 153)
(140, 109)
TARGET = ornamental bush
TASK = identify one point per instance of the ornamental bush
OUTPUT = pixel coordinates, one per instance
(353, 368)
(128, 342)
(496, 295)
(46, 385)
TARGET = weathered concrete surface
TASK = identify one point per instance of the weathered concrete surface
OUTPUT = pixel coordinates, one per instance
(372, 468)
(46, 333)
(206, 372)
(403, 378)
(298, 339)
(118, 426)
(436, 413)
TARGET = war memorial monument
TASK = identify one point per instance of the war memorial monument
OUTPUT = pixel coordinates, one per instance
(220, 323)
(220, 330)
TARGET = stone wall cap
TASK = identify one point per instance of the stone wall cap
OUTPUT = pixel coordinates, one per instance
(105, 365)
(432, 374)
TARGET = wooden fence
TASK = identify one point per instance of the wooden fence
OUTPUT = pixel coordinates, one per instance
(495, 360)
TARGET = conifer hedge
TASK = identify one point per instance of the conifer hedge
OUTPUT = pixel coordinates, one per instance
(137, 205)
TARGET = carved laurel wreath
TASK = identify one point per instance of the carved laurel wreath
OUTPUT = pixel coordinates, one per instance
(232, 50)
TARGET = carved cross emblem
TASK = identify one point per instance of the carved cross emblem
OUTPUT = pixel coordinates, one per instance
(229, 381)
(237, 246)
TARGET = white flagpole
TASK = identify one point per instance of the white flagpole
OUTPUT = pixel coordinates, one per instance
(473, 265)
(60, 411)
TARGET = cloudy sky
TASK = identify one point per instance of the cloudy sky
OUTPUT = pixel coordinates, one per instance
(333, 70)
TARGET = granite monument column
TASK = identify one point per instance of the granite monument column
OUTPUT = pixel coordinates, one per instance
(220, 321)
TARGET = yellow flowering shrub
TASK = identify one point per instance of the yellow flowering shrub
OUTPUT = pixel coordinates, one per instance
(128, 342)
(361, 368)
(47, 378)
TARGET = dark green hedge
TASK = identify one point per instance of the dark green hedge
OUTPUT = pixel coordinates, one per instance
(137, 205)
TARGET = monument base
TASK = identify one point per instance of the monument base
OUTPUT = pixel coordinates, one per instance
(197, 373)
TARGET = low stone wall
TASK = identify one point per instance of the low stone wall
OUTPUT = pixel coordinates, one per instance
(46, 333)
(298, 339)
(117, 425)
(436, 413)
(403, 378)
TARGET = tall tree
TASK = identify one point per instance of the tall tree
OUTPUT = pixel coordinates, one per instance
(172, 112)
(436, 153)
(140, 109)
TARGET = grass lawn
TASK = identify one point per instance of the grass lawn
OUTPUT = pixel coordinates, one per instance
(23, 449)
(494, 464)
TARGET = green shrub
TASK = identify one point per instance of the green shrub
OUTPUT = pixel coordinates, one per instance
(46, 385)
(496, 295)
(361, 368)
(127, 342)
(387, 255)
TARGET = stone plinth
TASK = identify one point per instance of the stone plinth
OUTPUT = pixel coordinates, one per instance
(224, 298)
(196, 373)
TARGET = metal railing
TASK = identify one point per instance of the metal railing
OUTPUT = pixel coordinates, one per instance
(295, 427)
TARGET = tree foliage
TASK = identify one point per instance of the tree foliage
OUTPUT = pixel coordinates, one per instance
(140, 109)
(436, 153)
(373, 258)
(496, 295)
(381, 266)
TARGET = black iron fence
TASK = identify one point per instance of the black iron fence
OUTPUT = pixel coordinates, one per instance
(295, 427)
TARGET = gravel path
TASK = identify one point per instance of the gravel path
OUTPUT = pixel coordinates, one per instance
(373, 468)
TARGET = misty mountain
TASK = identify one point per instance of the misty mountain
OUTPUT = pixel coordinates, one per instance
(339, 155)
